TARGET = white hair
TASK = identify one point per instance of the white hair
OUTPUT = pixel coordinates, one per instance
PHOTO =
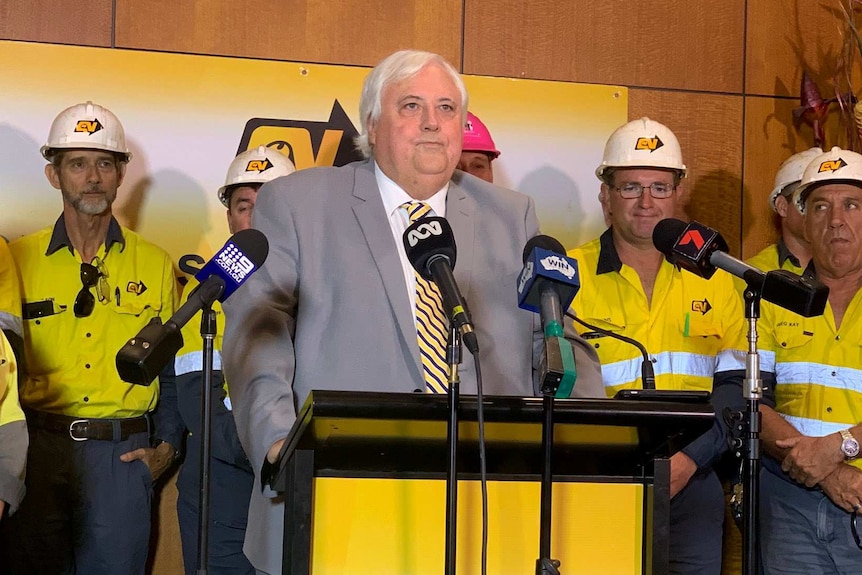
(395, 68)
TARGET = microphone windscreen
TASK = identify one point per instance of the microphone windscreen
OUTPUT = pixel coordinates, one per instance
(544, 242)
(666, 233)
(242, 255)
(426, 240)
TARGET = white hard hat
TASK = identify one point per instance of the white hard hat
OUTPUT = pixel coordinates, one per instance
(255, 166)
(642, 143)
(791, 172)
(87, 126)
(835, 166)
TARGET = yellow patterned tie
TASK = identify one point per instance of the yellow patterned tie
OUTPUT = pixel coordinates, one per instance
(431, 327)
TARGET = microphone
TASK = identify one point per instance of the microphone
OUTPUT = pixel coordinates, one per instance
(141, 359)
(430, 247)
(701, 250)
(548, 284)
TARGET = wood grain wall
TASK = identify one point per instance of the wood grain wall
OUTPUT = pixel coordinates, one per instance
(723, 74)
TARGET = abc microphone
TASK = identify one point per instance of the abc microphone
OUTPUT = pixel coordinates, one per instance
(430, 247)
(701, 250)
(548, 284)
(141, 359)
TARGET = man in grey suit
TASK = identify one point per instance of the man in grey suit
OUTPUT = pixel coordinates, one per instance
(333, 307)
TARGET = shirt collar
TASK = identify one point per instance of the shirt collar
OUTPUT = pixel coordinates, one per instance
(393, 195)
(609, 258)
(60, 237)
(785, 254)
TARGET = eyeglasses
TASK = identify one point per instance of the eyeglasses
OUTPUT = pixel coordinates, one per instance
(853, 529)
(92, 275)
(634, 190)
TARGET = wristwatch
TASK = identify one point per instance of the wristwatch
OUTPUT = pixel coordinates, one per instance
(849, 445)
(176, 453)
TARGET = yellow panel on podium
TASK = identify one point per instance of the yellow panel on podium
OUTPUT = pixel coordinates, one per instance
(397, 527)
(364, 482)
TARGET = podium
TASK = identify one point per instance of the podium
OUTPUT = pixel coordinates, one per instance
(403, 436)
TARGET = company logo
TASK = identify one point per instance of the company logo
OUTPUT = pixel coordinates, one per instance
(88, 126)
(701, 306)
(306, 143)
(235, 263)
(136, 288)
(525, 276)
(424, 231)
(559, 264)
(831, 165)
(651, 144)
(692, 237)
(258, 165)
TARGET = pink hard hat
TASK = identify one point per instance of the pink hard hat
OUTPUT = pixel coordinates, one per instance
(477, 138)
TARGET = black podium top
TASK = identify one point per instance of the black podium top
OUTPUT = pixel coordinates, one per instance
(372, 434)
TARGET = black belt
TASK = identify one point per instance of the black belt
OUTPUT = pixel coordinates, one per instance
(82, 429)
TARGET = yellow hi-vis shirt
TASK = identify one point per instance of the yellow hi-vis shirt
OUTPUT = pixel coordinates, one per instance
(688, 329)
(772, 257)
(10, 292)
(817, 367)
(10, 410)
(71, 362)
(191, 358)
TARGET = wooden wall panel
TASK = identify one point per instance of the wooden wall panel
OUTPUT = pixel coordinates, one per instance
(359, 32)
(166, 553)
(709, 129)
(666, 43)
(787, 36)
(82, 22)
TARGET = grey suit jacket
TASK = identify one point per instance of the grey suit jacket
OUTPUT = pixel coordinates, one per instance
(330, 310)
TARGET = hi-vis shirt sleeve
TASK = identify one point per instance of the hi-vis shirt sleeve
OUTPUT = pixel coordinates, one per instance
(10, 293)
(14, 439)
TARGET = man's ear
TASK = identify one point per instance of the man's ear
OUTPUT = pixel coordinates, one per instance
(781, 205)
(604, 200)
(53, 175)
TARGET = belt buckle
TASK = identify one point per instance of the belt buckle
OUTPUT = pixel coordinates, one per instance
(71, 433)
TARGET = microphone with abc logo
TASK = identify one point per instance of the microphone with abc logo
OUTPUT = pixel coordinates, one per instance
(430, 247)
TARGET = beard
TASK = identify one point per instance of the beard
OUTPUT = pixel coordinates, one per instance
(89, 205)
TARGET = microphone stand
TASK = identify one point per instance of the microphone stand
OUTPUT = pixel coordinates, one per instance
(749, 442)
(544, 564)
(208, 332)
(453, 358)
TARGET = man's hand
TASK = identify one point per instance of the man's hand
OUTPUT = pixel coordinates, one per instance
(272, 454)
(158, 459)
(811, 459)
(844, 487)
(682, 468)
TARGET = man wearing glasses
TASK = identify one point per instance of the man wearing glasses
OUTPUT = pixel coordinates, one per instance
(685, 322)
(88, 284)
(811, 484)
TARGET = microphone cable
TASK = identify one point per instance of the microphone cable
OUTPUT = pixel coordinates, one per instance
(647, 371)
(483, 472)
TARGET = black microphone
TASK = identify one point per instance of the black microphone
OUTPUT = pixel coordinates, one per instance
(430, 247)
(701, 250)
(141, 359)
(548, 284)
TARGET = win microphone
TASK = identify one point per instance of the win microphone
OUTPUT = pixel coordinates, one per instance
(548, 284)
(430, 247)
(141, 359)
(701, 250)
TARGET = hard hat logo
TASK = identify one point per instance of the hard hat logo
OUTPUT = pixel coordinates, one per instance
(831, 165)
(88, 126)
(258, 165)
(651, 144)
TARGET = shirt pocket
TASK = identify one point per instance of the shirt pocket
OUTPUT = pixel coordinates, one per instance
(695, 325)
